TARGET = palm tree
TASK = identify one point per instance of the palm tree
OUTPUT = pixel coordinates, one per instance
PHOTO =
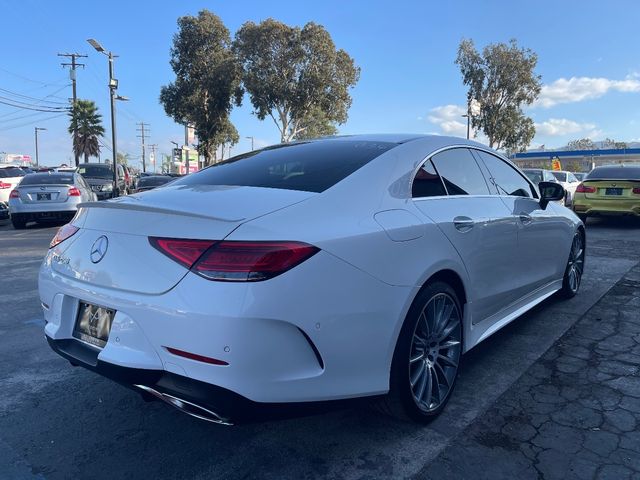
(85, 128)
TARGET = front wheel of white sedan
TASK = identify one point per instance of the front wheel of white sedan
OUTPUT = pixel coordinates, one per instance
(427, 355)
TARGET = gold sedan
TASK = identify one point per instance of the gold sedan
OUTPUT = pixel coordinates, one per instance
(609, 190)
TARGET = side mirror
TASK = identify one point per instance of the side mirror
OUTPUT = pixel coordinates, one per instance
(550, 192)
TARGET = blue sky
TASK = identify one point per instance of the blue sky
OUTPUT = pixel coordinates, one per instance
(588, 60)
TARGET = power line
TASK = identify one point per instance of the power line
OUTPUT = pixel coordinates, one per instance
(39, 100)
(46, 84)
(32, 107)
(31, 123)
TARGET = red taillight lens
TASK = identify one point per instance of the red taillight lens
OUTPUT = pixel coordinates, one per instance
(5, 185)
(582, 188)
(63, 233)
(251, 261)
(235, 261)
(636, 190)
(74, 192)
(14, 193)
(185, 252)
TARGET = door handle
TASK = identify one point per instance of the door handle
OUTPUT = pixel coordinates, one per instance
(463, 224)
(525, 219)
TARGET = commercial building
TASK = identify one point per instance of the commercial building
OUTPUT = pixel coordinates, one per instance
(577, 160)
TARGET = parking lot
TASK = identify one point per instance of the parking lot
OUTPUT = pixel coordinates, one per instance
(59, 422)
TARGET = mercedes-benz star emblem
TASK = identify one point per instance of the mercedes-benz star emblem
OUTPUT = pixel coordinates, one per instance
(99, 249)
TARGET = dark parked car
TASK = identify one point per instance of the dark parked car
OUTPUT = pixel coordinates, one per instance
(99, 176)
(152, 181)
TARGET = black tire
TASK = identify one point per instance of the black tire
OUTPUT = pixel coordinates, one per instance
(18, 222)
(575, 267)
(405, 399)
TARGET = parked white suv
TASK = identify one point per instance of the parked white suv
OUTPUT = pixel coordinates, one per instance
(10, 176)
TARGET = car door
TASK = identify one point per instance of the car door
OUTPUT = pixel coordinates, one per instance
(541, 233)
(476, 222)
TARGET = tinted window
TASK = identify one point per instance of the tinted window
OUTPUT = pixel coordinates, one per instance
(153, 181)
(614, 173)
(534, 175)
(95, 171)
(507, 179)
(47, 179)
(548, 176)
(11, 172)
(560, 176)
(460, 172)
(427, 182)
(309, 166)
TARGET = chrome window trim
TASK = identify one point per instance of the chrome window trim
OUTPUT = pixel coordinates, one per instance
(470, 147)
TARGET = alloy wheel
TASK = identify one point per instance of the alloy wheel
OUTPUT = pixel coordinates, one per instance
(435, 352)
(576, 263)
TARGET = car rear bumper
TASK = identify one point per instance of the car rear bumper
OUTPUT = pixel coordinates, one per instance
(285, 340)
(588, 206)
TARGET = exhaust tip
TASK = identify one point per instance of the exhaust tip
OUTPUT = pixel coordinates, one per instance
(185, 406)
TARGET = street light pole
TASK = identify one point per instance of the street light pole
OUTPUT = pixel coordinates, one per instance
(113, 87)
(36, 131)
(251, 142)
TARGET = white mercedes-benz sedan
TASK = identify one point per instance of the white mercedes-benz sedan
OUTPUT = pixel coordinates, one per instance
(319, 270)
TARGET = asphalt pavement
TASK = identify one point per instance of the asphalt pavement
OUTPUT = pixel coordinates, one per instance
(59, 422)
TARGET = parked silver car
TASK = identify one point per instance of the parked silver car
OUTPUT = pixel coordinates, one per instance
(42, 197)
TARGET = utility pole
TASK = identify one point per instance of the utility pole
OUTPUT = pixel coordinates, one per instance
(153, 158)
(143, 136)
(251, 142)
(37, 159)
(186, 149)
(72, 74)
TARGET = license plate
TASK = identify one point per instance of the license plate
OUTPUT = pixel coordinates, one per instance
(93, 324)
(44, 196)
(613, 191)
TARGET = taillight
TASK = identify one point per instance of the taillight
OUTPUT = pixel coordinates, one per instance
(74, 192)
(185, 252)
(236, 261)
(14, 193)
(5, 185)
(63, 233)
(582, 188)
(636, 190)
(252, 261)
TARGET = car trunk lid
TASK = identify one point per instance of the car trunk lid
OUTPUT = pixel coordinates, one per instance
(611, 189)
(130, 262)
(44, 193)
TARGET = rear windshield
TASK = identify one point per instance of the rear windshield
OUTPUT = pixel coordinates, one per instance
(10, 172)
(614, 173)
(534, 175)
(47, 179)
(310, 166)
(560, 176)
(95, 171)
(153, 181)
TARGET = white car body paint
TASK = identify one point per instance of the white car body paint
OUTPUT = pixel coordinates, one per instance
(378, 247)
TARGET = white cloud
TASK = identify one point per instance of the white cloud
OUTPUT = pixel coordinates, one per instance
(562, 126)
(449, 119)
(577, 89)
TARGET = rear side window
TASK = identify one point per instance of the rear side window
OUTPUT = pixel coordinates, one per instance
(10, 172)
(310, 166)
(560, 176)
(460, 172)
(506, 179)
(427, 182)
(47, 179)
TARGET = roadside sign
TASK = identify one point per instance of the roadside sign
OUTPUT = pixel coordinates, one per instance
(555, 164)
